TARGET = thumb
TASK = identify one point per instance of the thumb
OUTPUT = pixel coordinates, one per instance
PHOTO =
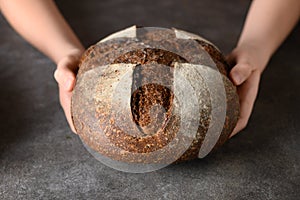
(240, 72)
(65, 78)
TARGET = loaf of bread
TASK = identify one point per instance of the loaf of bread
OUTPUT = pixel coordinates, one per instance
(154, 95)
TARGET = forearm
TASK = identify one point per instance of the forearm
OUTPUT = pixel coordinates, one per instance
(42, 25)
(268, 23)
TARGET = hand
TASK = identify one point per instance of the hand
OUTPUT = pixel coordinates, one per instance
(249, 62)
(65, 75)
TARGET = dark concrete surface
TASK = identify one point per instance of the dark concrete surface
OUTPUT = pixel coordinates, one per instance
(41, 159)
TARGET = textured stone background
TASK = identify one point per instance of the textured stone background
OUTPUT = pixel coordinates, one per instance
(41, 159)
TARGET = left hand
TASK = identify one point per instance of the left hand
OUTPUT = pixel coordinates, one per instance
(249, 62)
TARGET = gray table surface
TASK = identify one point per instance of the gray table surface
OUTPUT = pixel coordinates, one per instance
(41, 159)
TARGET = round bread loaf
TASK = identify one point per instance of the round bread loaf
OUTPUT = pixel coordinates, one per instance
(154, 95)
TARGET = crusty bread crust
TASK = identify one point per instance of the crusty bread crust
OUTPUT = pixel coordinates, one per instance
(157, 128)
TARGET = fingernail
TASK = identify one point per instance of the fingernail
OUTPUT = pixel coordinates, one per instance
(69, 83)
(237, 78)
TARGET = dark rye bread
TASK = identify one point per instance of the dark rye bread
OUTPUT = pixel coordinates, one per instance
(99, 128)
(151, 94)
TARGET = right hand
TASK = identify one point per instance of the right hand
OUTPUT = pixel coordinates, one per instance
(65, 75)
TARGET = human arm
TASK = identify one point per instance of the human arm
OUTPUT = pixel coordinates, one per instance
(267, 25)
(42, 25)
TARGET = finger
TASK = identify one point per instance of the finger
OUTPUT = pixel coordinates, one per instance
(240, 73)
(247, 93)
(241, 124)
(65, 100)
(65, 77)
